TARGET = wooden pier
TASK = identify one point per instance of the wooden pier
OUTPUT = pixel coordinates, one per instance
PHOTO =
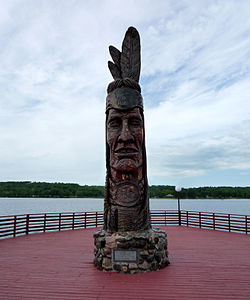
(209, 260)
(205, 264)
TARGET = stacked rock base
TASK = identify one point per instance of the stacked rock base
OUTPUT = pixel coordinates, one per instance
(131, 252)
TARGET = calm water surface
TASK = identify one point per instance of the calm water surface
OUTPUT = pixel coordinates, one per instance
(16, 206)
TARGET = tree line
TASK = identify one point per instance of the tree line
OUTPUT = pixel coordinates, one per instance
(24, 189)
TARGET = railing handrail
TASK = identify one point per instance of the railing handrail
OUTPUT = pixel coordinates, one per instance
(11, 226)
(53, 213)
(100, 211)
(212, 212)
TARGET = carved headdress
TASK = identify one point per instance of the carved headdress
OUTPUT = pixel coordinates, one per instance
(125, 92)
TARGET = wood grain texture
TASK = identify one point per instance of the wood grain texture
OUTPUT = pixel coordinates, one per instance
(115, 54)
(131, 55)
(114, 70)
(205, 264)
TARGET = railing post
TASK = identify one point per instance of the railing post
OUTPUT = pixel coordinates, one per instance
(73, 221)
(44, 222)
(187, 218)
(14, 229)
(165, 214)
(27, 223)
(199, 219)
(213, 221)
(229, 223)
(246, 224)
(96, 219)
(85, 220)
(179, 211)
(60, 217)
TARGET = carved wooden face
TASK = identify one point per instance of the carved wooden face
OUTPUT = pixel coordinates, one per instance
(125, 139)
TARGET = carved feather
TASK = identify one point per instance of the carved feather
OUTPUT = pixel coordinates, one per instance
(131, 55)
(115, 54)
(115, 71)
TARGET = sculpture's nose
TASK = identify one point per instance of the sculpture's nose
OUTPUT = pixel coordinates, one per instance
(125, 135)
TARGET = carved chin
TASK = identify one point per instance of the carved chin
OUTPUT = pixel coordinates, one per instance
(125, 165)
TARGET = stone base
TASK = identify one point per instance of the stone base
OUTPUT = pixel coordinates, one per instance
(131, 252)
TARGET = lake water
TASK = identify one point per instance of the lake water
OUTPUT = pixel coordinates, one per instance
(16, 206)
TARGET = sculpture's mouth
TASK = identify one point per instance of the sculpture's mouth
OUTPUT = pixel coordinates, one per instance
(126, 151)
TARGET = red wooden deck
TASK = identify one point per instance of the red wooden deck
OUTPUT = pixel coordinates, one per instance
(205, 264)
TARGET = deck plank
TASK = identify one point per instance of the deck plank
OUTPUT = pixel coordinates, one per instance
(205, 264)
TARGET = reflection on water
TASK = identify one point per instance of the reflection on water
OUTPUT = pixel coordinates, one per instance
(15, 206)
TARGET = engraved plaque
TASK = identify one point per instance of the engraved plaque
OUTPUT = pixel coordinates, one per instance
(124, 255)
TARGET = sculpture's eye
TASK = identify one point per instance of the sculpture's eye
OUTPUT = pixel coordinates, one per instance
(136, 122)
(115, 122)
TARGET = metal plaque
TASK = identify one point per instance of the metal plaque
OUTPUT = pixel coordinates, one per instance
(124, 255)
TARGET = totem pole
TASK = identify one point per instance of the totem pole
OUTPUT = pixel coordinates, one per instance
(127, 243)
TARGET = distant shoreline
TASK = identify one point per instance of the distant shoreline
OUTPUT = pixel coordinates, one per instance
(28, 189)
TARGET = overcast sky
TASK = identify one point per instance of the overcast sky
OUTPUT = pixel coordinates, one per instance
(195, 81)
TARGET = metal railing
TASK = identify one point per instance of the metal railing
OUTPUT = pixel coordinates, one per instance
(12, 226)
(216, 221)
(35, 223)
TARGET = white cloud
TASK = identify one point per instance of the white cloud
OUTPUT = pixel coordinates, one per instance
(53, 76)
